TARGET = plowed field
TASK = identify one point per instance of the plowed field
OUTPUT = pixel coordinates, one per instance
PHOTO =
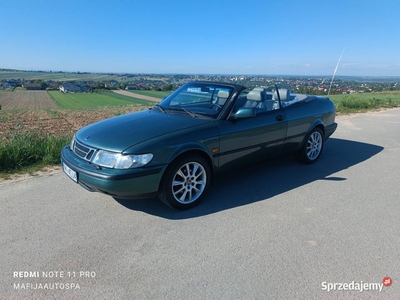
(55, 121)
(26, 100)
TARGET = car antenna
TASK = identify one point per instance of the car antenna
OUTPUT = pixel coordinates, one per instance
(334, 73)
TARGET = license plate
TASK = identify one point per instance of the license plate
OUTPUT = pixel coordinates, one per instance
(71, 173)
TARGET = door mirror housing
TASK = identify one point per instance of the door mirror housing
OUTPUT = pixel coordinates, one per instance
(243, 113)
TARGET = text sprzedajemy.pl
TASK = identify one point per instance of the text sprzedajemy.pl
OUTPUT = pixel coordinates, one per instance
(351, 286)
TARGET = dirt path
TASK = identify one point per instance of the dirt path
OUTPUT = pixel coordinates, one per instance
(134, 95)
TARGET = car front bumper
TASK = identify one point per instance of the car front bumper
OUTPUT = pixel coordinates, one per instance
(131, 183)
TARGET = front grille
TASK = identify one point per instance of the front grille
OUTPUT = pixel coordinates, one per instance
(83, 151)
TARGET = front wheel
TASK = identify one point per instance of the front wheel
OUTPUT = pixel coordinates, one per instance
(185, 182)
(312, 148)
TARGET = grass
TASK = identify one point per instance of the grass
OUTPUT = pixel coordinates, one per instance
(351, 103)
(94, 100)
(24, 151)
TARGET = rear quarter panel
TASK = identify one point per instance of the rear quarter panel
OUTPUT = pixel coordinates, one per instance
(302, 117)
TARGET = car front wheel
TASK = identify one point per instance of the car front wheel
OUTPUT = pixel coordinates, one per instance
(185, 182)
(312, 148)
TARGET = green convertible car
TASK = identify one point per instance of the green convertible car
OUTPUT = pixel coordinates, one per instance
(175, 149)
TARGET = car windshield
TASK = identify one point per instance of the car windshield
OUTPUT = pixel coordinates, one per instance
(197, 99)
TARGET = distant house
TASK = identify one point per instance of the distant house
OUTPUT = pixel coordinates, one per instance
(32, 86)
(66, 87)
(111, 83)
(7, 85)
(52, 85)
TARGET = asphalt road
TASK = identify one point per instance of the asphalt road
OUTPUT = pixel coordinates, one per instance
(275, 230)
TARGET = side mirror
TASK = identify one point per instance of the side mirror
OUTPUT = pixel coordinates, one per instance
(243, 113)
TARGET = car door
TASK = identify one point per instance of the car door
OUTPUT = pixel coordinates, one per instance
(251, 139)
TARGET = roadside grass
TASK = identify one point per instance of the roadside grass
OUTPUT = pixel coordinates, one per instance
(26, 151)
(352, 103)
(94, 100)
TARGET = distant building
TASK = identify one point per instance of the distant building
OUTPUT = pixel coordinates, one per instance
(9, 84)
(32, 86)
(66, 87)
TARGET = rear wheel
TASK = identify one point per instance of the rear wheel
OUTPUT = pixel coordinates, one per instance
(312, 148)
(185, 182)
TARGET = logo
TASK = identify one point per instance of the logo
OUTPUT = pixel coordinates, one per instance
(387, 281)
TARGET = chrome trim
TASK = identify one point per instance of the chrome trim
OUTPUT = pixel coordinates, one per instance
(83, 151)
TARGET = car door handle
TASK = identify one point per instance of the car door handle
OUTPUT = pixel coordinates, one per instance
(280, 118)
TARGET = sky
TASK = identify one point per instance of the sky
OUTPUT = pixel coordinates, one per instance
(259, 37)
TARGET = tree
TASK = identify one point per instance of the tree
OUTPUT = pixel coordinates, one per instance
(167, 87)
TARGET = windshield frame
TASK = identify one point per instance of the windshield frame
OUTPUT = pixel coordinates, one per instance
(201, 98)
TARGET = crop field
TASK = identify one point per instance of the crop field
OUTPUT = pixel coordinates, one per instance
(56, 113)
(58, 122)
(94, 100)
(26, 100)
(155, 94)
(57, 76)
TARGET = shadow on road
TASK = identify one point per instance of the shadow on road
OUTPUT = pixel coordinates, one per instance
(264, 180)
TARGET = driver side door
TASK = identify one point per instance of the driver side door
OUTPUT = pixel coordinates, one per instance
(252, 138)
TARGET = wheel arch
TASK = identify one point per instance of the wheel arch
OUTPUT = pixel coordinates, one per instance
(192, 150)
(316, 124)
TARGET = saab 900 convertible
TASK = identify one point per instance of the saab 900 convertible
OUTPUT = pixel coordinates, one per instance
(175, 149)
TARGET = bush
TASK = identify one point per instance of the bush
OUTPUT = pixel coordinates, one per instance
(30, 148)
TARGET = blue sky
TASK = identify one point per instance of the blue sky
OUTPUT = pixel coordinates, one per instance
(203, 37)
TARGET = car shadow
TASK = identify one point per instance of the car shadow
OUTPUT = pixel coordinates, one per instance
(261, 181)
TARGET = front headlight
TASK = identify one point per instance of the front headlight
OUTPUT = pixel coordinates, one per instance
(120, 161)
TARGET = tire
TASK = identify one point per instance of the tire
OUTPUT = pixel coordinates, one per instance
(311, 150)
(185, 182)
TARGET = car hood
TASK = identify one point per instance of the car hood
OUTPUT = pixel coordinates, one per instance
(122, 132)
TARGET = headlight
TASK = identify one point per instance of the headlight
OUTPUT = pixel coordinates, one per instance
(120, 161)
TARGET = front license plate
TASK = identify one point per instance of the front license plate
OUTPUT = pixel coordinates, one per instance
(71, 173)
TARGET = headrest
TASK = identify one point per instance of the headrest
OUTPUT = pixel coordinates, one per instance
(284, 94)
(223, 94)
(255, 95)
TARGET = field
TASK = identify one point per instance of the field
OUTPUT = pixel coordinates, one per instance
(155, 94)
(26, 100)
(94, 100)
(59, 122)
(58, 76)
(349, 103)
(56, 113)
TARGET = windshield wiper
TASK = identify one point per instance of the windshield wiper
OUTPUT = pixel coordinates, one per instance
(161, 108)
(190, 113)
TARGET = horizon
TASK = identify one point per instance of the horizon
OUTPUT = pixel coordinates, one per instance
(184, 37)
(200, 74)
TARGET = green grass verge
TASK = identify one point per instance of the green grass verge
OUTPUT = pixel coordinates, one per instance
(351, 103)
(95, 100)
(23, 151)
